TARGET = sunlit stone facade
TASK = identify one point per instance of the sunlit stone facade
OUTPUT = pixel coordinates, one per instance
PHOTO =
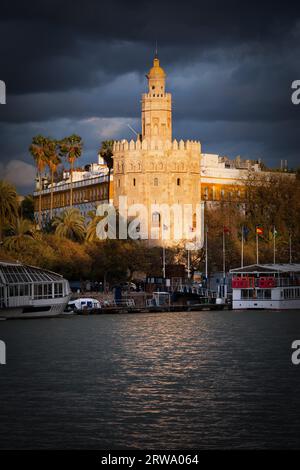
(155, 169)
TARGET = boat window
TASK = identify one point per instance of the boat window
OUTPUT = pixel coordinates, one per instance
(58, 290)
(24, 290)
(13, 291)
(268, 293)
(21, 274)
(2, 296)
(247, 294)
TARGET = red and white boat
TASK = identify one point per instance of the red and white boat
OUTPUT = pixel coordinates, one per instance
(266, 286)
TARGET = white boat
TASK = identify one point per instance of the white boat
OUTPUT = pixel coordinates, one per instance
(84, 303)
(266, 286)
(29, 292)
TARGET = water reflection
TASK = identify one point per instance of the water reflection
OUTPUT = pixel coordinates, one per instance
(192, 380)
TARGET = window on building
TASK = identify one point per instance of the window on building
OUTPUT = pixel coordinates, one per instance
(206, 193)
(134, 182)
(178, 182)
(156, 219)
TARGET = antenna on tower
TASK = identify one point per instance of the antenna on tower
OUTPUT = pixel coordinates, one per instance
(133, 130)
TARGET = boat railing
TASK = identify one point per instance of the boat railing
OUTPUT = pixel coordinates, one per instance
(118, 303)
(263, 282)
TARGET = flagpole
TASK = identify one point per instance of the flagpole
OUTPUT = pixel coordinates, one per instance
(206, 254)
(257, 255)
(224, 255)
(164, 261)
(274, 242)
(188, 265)
(242, 255)
(291, 253)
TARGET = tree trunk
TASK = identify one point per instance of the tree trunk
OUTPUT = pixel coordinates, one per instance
(51, 195)
(40, 201)
(71, 186)
(108, 189)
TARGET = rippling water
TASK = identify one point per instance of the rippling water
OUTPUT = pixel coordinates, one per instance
(151, 381)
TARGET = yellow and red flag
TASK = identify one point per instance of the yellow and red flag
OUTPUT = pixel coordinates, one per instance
(259, 230)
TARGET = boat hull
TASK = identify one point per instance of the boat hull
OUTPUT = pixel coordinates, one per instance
(266, 305)
(36, 311)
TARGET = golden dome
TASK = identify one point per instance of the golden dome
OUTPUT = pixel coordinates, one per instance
(156, 71)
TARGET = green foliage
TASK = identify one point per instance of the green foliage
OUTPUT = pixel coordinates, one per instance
(8, 205)
(106, 152)
(27, 208)
(70, 224)
(71, 148)
(20, 231)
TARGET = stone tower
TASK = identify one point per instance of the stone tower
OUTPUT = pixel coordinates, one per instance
(156, 106)
(155, 169)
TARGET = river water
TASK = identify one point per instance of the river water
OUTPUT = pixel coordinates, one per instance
(200, 380)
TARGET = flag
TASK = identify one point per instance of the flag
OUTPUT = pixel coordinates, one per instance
(226, 229)
(259, 230)
(245, 231)
(273, 233)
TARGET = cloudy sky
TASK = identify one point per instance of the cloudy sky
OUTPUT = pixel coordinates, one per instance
(79, 67)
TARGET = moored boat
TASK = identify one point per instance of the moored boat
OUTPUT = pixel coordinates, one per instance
(31, 292)
(266, 286)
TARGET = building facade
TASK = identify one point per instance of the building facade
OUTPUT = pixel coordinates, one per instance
(90, 188)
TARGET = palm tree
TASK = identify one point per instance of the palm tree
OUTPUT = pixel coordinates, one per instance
(27, 208)
(106, 152)
(71, 148)
(91, 230)
(38, 151)
(53, 160)
(8, 205)
(21, 231)
(70, 224)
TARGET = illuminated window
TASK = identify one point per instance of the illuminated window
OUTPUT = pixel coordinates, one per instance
(156, 219)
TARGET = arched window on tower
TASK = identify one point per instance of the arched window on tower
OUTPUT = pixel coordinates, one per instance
(134, 182)
(178, 182)
(156, 219)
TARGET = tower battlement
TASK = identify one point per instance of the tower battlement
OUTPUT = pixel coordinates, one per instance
(156, 144)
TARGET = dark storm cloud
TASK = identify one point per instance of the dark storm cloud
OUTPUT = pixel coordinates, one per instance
(74, 66)
(56, 44)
